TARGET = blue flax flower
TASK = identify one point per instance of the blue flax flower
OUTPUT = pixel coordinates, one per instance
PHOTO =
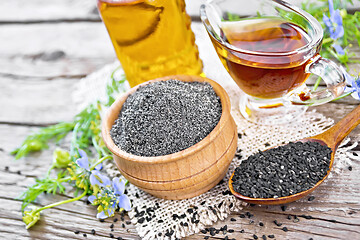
(109, 198)
(354, 84)
(96, 178)
(334, 23)
(339, 49)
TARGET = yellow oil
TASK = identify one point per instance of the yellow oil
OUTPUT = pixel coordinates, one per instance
(152, 38)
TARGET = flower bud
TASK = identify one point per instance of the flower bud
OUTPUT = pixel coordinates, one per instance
(61, 158)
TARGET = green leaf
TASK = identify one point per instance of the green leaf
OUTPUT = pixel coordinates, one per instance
(47, 185)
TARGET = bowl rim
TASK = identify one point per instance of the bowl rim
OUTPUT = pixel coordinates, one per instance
(117, 105)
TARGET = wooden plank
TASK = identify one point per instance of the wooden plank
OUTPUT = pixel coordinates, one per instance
(36, 102)
(37, 11)
(22, 10)
(54, 50)
(59, 224)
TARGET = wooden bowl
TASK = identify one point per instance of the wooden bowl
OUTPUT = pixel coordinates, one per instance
(183, 174)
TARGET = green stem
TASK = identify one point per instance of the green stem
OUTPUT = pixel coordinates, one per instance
(317, 83)
(100, 161)
(65, 179)
(48, 172)
(73, 139)
(113, 73)
(63, 202)
(342, 96)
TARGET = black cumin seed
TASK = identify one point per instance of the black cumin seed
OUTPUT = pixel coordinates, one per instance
(119, 238)
(160, 221)
(112, 225)
(350, 168)
(18, 172)
(227, 192)
(231, 230)
(226, 238)
(255, 237)
(102, 220)
(306, 216)
(289, 217)
(85, 235)
(261, 224)
(264, 237)
(285, 229)
(242, 216)
(140, 220)
(128, 222)
(271, 236)
(158, 109)
(123, 225)
(283, 208)
(6, 168)
(277, 223)
(310, 238)
(186, 224)
(203, 231)
(248, 214)
(76, 231)
(282, 171)
(190, 210)
(111, 235)
(311, 198)
(93, 232)
(233, 219)
(202, 203)
(242, 231)
(112, 230)
(206, 237)
(115, 219)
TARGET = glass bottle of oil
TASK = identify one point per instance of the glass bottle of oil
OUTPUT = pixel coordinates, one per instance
(152, 38)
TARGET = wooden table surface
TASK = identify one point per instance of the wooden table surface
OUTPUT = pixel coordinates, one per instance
(45, 48)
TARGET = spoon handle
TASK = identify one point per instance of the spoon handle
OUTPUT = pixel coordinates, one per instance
(339, 131)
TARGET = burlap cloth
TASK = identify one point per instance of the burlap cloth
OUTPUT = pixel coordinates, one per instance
(165, 219)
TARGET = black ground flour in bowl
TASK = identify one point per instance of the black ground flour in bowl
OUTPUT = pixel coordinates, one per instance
(165, 117)
(282, 171)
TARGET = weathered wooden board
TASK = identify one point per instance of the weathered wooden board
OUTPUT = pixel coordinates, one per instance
(37, 11)
(48, 51)
(41, 10)
(31, 101)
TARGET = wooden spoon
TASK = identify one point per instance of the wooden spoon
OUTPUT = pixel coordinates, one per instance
(331, 138)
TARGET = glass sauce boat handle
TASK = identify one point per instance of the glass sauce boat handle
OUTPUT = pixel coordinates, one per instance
(332, 75)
